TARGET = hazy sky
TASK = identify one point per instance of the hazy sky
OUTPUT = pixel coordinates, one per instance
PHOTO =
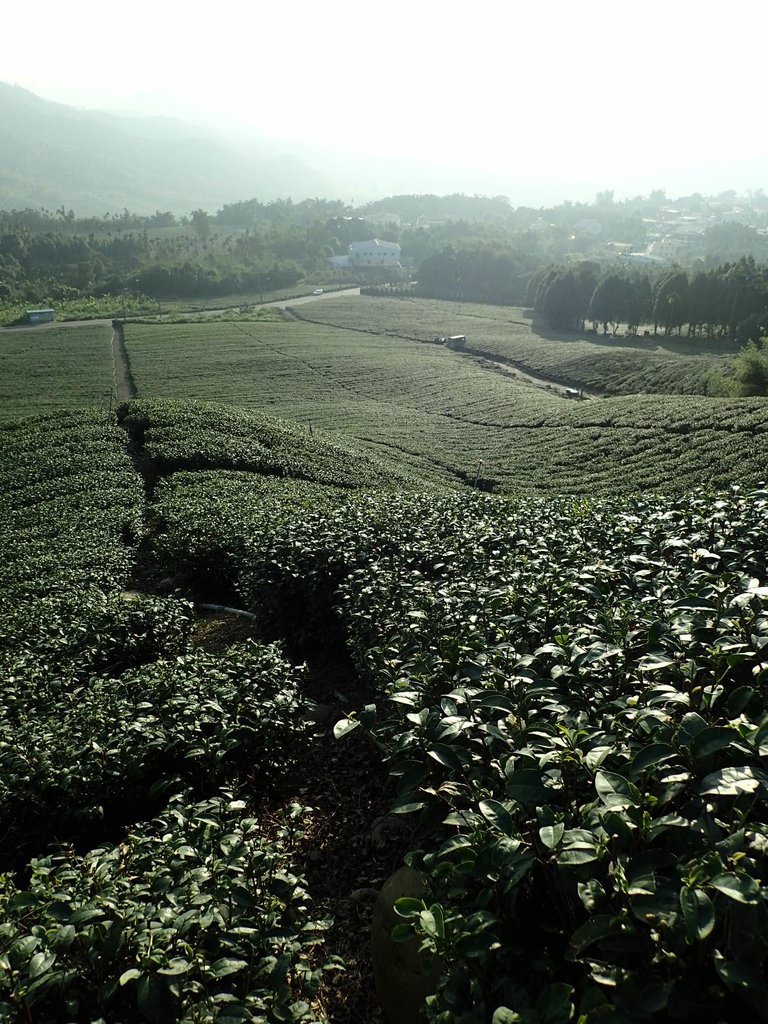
(599, 93)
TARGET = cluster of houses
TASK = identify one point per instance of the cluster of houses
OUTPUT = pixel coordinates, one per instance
(673, 235)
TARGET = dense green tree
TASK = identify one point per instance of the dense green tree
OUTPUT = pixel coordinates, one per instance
(702, 302)
(731, 240)
(638, 301)
(751, 369)
(609, 302)
(752, 328)
(586, 275)
(201, 222)
(469, 247)
(670, 297)
(561, 302)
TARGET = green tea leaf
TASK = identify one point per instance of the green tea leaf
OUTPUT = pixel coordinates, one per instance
(446, 756)
(40, 963)
(691, 725)
(741, 888)
(649, 756)
(177, 965)
(407, 906)
(503, 1015)
(615, 791)
(344, 727)
(226, 965)
(698, 913)
(574, 856)
(551, 835)
(732, 782)
(497, 815)
(525, 786)
(555, 1004)
(739, 974)
(712, 739)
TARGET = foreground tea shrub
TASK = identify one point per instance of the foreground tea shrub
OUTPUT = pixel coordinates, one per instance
(575, 708)
(211, 527)
(200, 915)
(72, 507)
(83, 631)
(74, 751)
(571, 696)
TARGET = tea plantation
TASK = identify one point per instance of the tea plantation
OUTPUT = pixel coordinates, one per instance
(557, 694)
(445, 416)
(55, 367)
(625, 365)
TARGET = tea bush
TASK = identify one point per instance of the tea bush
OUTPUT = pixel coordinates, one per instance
(74, 751)
(198, 916)
(73, 509)
(206, 436)
(571, 697)
(575, 708)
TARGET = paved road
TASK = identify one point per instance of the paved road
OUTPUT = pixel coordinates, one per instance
(275, 303)
(300, 300)
(342, 293)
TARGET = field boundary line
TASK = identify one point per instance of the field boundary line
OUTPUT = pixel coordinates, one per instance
(125, 385)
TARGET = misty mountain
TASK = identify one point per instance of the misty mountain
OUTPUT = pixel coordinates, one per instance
(95, 162)
(53, 155)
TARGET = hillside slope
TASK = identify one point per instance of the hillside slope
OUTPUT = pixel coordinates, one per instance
(53, 155)
(448, 417)
(568, 694)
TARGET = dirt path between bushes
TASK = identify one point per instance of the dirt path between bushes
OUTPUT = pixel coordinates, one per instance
(125, 386)
(487, 360)
(557, 387)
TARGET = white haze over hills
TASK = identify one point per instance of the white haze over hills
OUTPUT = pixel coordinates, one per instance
(541, 103)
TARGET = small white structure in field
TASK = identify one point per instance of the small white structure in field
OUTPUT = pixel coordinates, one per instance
(39, 316)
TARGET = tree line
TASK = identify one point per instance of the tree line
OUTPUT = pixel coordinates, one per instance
(470, 248)
(729, 301)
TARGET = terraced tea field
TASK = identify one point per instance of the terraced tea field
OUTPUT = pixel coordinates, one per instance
(448, 417)
(48, 368)
(555, 705)
(618, 366)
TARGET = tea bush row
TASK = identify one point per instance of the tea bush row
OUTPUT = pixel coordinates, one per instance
(198, 916)
(577, 713)
(107, 711)
(73, 508)
(78, 752)
(571, 696)
(201, 436)
(429, 408)
(654, 365)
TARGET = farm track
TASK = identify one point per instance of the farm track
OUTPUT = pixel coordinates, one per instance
(516, 370)
(487, 360)
(353, 843)
(125, 386)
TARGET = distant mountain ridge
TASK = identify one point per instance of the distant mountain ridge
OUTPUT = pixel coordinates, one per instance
(53, 155)
(95, 162)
